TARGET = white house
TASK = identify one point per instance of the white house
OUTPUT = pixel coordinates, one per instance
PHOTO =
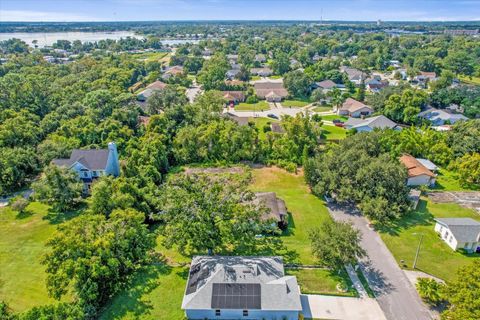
(418, 174)
(459, 233)
(369, 124)
(92, 164)
(440, 117)
(254, 288)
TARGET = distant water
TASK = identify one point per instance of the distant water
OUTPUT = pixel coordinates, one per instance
(48, 38)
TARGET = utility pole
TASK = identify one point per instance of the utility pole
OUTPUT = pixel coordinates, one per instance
(418, 251)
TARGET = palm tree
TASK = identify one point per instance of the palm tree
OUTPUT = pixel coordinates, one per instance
(430, 290)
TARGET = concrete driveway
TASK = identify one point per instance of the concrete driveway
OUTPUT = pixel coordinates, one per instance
(333, 307)
(395, 294)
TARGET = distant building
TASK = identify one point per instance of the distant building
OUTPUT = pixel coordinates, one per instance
(92, 164)
(262, 72)
(370, 124)
(271, 91)
(354, 75)
(254, 288)
(459, 233)
(150, 90)
(172, 71)
(241, 121)
(233, 97)
(325, 85)
(462, 32)
(418, 174)
(354, 109)
(440, 117)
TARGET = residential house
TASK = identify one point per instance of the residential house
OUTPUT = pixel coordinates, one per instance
(440, 117)
(277, 127)
(232, 73)
(418, 174)
(375, 84)
(272, 91)
(325, 85)
(354, 109)
(241, 121)
(150, 90)
(262, 72)
(232, 58)
(316, 57)
(276, 208)
(459, 233)
(370, 124)
(260, 58)
(428, 164)
(236, 287)
(233, 97)
(92, 164)
(172, 72)
(354, 75)
(426, 76)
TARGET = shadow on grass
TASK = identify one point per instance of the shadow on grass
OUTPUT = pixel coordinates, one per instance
(290, 231)
(55, 217)
(419, 217)
(129, 301)
(24, 214)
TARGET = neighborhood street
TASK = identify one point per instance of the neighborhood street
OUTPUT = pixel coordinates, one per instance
(395, 294)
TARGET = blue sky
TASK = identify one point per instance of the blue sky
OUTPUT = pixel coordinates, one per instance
(128, 10)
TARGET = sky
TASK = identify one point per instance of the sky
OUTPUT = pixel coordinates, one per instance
(143, 10)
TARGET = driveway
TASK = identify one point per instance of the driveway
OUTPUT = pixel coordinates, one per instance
(333, 307)
(395, 294)
(192, 92)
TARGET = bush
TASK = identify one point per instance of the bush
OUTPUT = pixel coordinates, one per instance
(252, 99)
(430, 290)
(19, 204)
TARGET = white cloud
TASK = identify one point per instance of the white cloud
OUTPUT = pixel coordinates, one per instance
(38, 16)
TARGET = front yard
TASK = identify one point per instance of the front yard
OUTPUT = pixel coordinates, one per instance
(259, 106)
(334, 133)
(331, 117)
(321, 281)
(435, 256)
(294, 103)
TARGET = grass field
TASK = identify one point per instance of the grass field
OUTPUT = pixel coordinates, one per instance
(155, 293)
(332, 117)
(306, 210)
(448, 181)
(260, 123)
(334, 133)
(259, 106)
(322, 109)
(321, 281)
(152, 56)
(294, 103)
(22, 244)
(473, 80)
(435, 256)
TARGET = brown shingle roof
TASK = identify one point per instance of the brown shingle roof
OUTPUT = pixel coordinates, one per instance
(352, 105)
(277, 209)
(414, 167)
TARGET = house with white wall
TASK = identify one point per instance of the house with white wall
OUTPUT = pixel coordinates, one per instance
(418, 174)
(92, 164)
(459, 233)
(234, 287)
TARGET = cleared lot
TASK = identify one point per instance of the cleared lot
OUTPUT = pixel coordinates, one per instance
(467, 199)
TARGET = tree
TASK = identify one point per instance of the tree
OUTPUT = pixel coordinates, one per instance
(280, 63)
(59, 187)
(204, 214)
(405, 107)
(430, 290)
(167, 98)
(92, 257)
(463, 294)
(463, 138)
(19, 204)
(212, 75)
(5, 311)
(335, 244)
(468, 168)
(16, 165)
(297, 84)
(58, 311)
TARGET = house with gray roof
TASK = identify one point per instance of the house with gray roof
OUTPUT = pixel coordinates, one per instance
(440, 117)
(459, 233)
(256, 288)
(369, 124)
(92, 164)
(276, 208)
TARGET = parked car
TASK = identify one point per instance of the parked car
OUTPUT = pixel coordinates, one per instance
(339, 124)
(271, 115)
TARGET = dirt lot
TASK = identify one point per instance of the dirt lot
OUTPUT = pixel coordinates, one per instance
(465, 199)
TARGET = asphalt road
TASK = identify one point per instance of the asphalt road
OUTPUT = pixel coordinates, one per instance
(396, 296)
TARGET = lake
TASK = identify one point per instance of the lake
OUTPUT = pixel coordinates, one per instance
(48, 38)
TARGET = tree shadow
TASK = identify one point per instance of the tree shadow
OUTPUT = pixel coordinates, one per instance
(418, 217)
(290, 230)
(267, 246)
(24, 214)
(376, 279)
(55, 217)
(129, 301)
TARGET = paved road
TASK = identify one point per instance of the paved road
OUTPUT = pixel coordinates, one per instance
(192, 92)
(332, 307)
(395, 294)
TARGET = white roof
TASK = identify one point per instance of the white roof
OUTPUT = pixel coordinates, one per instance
(428, 164)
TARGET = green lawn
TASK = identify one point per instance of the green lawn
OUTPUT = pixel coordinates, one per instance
(334, 133)
(332, 117)
(448, 181)
(306, 211)
(260, 123)
(321, 281)
(156, 292)
(151, 56)
(259, 106)
(322, 109)
(275, 77)
(294, 103)
(22, 243)
(255, 78)
(435, 256)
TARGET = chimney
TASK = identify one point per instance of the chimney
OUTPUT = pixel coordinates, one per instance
(113, 166)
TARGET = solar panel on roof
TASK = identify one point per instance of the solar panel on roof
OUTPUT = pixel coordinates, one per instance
(236, 296)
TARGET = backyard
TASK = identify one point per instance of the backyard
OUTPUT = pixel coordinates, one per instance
(435, 257)
(331, 117)
(322, 109)
(259, 106)
(447, 180)
(334, 133)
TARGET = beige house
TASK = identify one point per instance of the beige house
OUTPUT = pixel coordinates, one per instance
(354, 109)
